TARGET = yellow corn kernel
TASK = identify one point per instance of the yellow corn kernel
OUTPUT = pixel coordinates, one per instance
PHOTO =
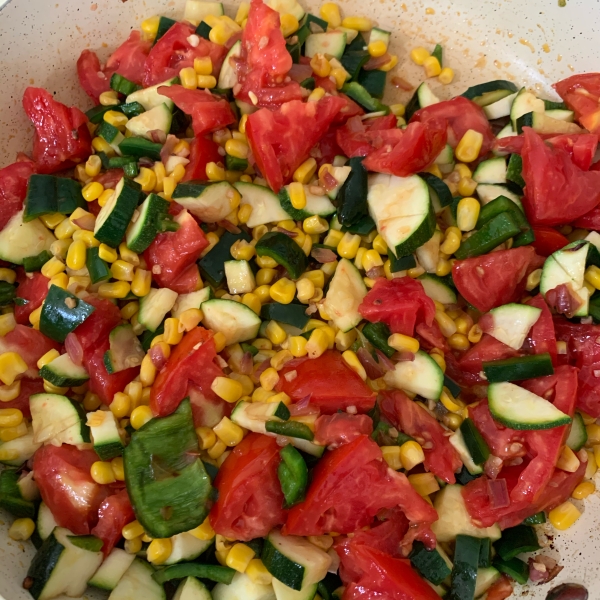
(463, 171)
(597, 453)
(133, 546)
(262, 292)
(283, 291)
(533, 280)
(109, 98)
(446, 75)
(150, 28)
(10, 417)
(475, 334)
(121, 270)
(379, 245)
(220, 341)
(269, 378)
(21, 529)
(117, 290)
(87, 237)
(102, 472)
(202, 66)
(173, 333)
(304, 173)
(121, 405)
(357, 23)
(92, 191)
(305, 289)
(329, 268)
(424, 483)
(458, 341)
(140, 416)
(141, 282)
(467, 214)
(315, 225)
(76, 255)
(206, 81)
(316, 94)
(592, 276)
(214, 172)
(443, 268)
(53, 389)
(388, 66)
(275, 333)
(228, 432)
(190, 318)
(169, 185)
(466, 186)
(403, 343)
(258, 573)
(317, 343)
(91, 401)
(316, 276)
(107, 253)
(118, 469)
(11, 366)
(101, 145)
(147, 371)
(266, 262)
(377, 48)
(583, 490)
(217, 449)
(65, 230)
(591, 467)
(469, 147)
(330, 12)
(244, 213)
(188, 78)
(411, 455)
(237, 148)
(239, 557)
(446, 324)
(289, 24)
(371, 259)
(262, 395)
(147, 179)
(130, 309)
(93, 163)
(227, 389)
(105, 197)
(419, 55)
(452, 239)
(297, 195)
(449, 401)
(242, 250)
(10, 392)
(159, 551)
(53, 220)
(34, 317)
(340, 75)
(116, 119)
(206, 437)
(352, 361)
(252, 301)
(593, 434)
(204, 531)
(265, 276)
(349, 245)
(432, 66)
(320, 65)
(391, 455)
(452, 421)
(282, 357)
(7, 275)
(564, 515)
(297, 346)
(47, 358)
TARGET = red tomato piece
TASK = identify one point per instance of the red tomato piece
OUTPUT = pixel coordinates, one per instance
(502, 589)
(265, 62)
(209, 113)
(430, 336)
(114, 513)
(110, 178)
(441, 458)
(361, 138)
(61, 136)
(328, 148)
(174, 52)
(494, 279)
(331, 384)
(191, 360)
(250, 497)
(580, 147)
(488, 348)
(207, 408)
(461, 115)
(581, 93)
(418, 147)
(202, 151)
(95, 329)
(281, 140)
(188, 281)
(548, 240)
(590, 220)
(549, 174)
(385, 577)
(399, 303)
(13, 189)
(67, 488)
(175, 251)
(336, 430)
(349, 110)
(33, 289)
(350, 485)
(542, 337)
(31, 344)
(513, 144)
(92, 78)
(129, 58)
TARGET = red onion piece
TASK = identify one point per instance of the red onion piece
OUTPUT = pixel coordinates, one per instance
(168, 147)
(158, 136)
(384, 361)
(564, 300)
(144, 161)
(300, 72)
(287, 232)
(373, 369)
(402, 84)
(375, 272)
(157, 357)
(229, 226)
(74, 349)
(376, 62)
(404, 356)
(543, 569)
(264, 365)
(492, 466)
(86, 222)
(328, 181)
(498, 493)
(303, 407)
(323, 255)
(486, 323)
(246, 364)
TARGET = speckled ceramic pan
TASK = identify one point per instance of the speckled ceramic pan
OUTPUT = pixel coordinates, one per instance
(534, 42)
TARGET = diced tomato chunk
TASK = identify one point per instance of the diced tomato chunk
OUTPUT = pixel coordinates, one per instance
(33, 289)
(13, 189)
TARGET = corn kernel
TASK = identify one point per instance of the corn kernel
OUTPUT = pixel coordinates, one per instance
(269, 378)
(239, 557)
(446, 75)
(121, 405)
(564, 515)
(11, 366)
(188, 78)
(432, 66)
(258, 573)
(317, 343)
(340, 75)
(297, 346)
(140, 416)
(403, 343)
(391, 455)
(207, 81)
(202, 66)
(147, 179)
(349, 245)
(316, 95)
(469, 147)
(330, 12)
(206, 437)
(228, 432)
(419, 55)
(92, 191)
(320, 65)
(275, 333)
(352, 361)
(304, 173)
(217, 449)
(458, 341)
(109, 98)
(289, 24)
(583, 490)
(357, 23)
(227, 389)
(117, 290)
(424, 483)
(150, 28)
(47, 358)
(159, 551)
(10, 392)
(283, 291)
(204, 531)
(21, 529)
(467, 214)
(411, 455)
(305, 289)
(377, 48)
(592, 276)
(102, 473)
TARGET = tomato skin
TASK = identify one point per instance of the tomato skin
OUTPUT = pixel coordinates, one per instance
(173, 52)
(281, 140)
(186, 363)
(113, 514)
(331, 384)
(584, 105)
(542, 337)
(209, 113)
(99, 324)
(67, 488)
(386, 577)
(416, 150)
(361, 138)
(488, 348)
(61, 134)
(549, 174)
(92, 79)
(502, 281)
(590, 220)
(341, 428)
(548, 240)
(250, 498)
(350, 485)
(188, 281)
(441, 459)
(400, 303)
(202, 151)
(31, 344)
(461, 115)
(33, 289)
(265, 62)
(207, 408)
(580, 147)
(13, 189)
(175, 251)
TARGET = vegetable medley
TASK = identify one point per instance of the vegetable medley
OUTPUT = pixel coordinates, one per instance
(264, 336)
